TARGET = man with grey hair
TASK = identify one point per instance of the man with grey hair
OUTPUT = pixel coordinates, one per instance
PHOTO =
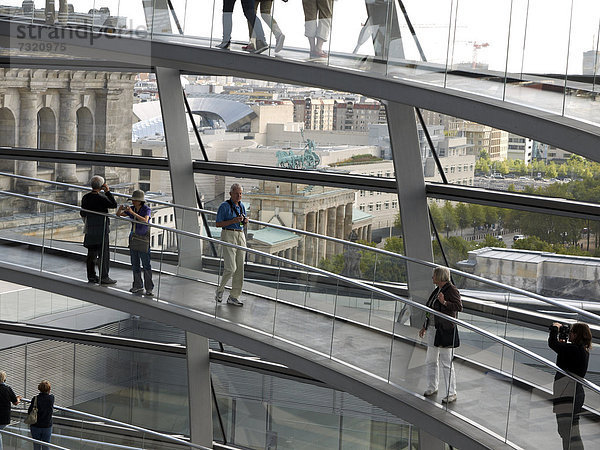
(97, 229)
(231, 217)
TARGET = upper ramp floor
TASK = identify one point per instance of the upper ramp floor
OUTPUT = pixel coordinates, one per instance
(465, 61)
(354, 337)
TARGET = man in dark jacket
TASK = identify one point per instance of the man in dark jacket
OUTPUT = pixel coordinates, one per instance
(7, 396)
(97, 229)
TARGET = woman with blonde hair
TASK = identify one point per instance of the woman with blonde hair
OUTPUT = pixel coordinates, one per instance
(7, 396)
(442, 341)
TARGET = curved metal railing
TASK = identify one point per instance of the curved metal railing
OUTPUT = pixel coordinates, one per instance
(84, 417)
(502, 287)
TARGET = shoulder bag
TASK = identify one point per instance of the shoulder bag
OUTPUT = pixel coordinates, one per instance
(139, 242)
(31, 418)
(446, 337)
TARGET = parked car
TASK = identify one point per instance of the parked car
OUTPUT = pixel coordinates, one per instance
(516, 237)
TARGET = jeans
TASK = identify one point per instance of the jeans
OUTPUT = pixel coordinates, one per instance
(40, 434)
(250, 13)
(144, 257)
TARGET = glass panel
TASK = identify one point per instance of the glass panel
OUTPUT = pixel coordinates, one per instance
(479, 48)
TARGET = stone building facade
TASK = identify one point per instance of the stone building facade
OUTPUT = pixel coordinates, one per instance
(318, 209)
(86, 111)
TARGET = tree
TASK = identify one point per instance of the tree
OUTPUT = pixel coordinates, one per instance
(436, 215)
(477, 215)
(533, 243)
(491, 241)
(463, 216)
(450, 220)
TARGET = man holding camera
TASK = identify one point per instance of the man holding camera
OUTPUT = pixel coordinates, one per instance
(97, 230)
(231, 217)
(572, 346)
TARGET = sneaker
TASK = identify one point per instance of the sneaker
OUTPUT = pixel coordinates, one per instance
(449, 399)
(234, 301)
(261, 46)
(94, 280)
(249, 47)
(219, 297)
(149, 293)
(279, 43)
(135, 290)
(224, 45)
(430, 392)
(107, 280)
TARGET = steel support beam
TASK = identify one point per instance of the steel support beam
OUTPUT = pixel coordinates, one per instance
(184, 193)
(412, 198)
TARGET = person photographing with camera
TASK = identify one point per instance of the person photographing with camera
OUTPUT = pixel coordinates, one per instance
(231, 217)
(572, 345)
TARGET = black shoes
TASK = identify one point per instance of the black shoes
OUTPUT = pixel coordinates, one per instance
(107, 280)
(94, 280)
(224, 45)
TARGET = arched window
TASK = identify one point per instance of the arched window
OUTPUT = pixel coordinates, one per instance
(46, 129)
(7, 128)
(85, 130)
(7, 139)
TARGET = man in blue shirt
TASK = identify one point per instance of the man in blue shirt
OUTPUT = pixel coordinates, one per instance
(231, 217)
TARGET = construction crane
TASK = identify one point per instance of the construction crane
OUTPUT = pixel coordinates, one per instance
(476, 47)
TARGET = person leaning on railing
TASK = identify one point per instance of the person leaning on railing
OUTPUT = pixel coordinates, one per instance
(7, 397)
(42, 429)
(572, 355)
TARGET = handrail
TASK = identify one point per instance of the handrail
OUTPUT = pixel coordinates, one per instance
(126, 425)
(461, 273)
(360, 284)
(35, 441)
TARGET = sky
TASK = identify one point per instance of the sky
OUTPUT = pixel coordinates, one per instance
(534, 37)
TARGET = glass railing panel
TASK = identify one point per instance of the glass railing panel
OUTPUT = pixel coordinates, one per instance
(353, 303)
(583, 59)
(544, 31)
(422, 54)
(479, 48)
(588, 423)
(232, 299)
(370, 353)
(533, 419)
(497, 359)
(296, 324)
(353, 44)
(195, 19)
(517, 38)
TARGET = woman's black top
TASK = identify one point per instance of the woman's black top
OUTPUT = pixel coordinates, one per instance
(45, 404)
(570, 357)
(7, 396)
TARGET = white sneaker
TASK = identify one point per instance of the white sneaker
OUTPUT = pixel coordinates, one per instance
(219, 296)
(449, 399)
(234, 301)
(279, 43)
(430, 392)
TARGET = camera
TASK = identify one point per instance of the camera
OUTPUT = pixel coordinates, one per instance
(563, 332)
